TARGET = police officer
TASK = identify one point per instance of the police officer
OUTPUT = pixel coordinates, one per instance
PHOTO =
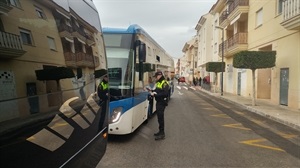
(160, 93)
(103, 89)
(102, 92)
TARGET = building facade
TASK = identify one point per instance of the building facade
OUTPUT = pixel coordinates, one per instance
(207, 45)
(271, 25)
(40, 35)
(191, 56)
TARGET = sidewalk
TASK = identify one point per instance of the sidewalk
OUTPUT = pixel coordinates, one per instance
(263, 107)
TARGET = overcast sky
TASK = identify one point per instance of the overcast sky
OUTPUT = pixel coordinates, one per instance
(171, 23)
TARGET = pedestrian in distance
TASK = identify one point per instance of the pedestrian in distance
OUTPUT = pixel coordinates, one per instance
(200, 81)
(160, 93)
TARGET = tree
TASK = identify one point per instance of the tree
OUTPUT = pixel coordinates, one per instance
(254, 60)
(215, 67)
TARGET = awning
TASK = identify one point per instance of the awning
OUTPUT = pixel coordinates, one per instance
(62, 14)
(70, 40)
(80, 40)
(235, 19)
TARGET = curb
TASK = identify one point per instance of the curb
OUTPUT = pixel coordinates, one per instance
(259, 112)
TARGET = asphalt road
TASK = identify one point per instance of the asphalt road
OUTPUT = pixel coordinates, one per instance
(202, 131)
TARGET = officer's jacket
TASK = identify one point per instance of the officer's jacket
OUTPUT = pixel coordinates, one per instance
(103, 90)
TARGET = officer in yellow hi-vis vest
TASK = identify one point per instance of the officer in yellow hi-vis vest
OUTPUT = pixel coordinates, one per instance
(103, 89)
(160, 93)
(102, 92)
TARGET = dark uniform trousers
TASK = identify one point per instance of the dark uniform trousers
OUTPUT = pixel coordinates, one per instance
(160, 108)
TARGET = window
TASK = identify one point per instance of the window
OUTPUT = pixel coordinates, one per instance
(259, 17)
(157, 58)
(40, 13)
(279, 6)
(15, 3)
(51, 43)
(26, 37)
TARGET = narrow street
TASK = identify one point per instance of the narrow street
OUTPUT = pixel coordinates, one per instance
(203, 131)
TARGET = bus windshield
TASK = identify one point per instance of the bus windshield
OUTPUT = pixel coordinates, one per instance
(120, 64)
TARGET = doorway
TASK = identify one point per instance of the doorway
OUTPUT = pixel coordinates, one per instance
(284, 86)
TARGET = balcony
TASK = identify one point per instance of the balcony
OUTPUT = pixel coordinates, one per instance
(237, 11)
(89, 59)
(70, 59)
(78, 33)
(84, 60)
(291, 14)
(10, 45)
(235, 44)
(236, 8)
(65, 31)
(223, 19)
(4, 7)
(80, 59)
(89, 39)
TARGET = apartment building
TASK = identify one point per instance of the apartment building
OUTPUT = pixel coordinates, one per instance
(38, 35)
(207, 45)
(275, 25)
(270, 25)
(263, 26)
(190, 49)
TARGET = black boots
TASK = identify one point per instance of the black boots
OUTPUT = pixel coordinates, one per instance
(159, 135)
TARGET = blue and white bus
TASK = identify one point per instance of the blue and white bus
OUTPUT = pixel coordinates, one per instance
(133, 57)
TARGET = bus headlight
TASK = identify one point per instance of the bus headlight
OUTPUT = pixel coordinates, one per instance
(116, 114)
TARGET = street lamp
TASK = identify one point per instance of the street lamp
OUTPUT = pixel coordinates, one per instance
(222, 28)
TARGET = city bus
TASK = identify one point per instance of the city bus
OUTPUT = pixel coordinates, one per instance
(52, 57)
(133, 57)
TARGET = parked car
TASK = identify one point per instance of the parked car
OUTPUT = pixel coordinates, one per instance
(181, 79)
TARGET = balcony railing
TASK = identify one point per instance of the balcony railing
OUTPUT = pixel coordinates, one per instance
(70, 59)
(65, 31)
(237, 3)
(80, 59)
(89, 59)
(234, 42)
(84, 60)
(222, 18)
(291, 14)
(10, 45)
(64, 27)
(238, 38)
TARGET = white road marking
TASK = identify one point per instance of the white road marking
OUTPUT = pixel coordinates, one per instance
(192, 88)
